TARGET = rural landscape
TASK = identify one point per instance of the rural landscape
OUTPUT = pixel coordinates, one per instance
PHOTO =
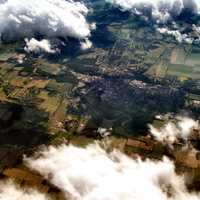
(99, 100)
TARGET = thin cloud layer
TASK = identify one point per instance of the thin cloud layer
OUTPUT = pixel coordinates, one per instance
(93, 174)
(51, 18)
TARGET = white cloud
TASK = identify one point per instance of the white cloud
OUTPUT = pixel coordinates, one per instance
(162, 10)
(93, 174)
(11, 191)
(177, 35)
(172, 131)
(23, 18)
(86, 44)
(37, 46)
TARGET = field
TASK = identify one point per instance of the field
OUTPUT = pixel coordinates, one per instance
(182, 63)
(184, 71)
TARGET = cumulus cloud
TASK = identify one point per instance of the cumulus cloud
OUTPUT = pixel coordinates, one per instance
(51, 18)
(173, 131)
(11, 191)
(165, 12)
(180, 37)
(86, 44)
(37, 46)
(161, 10)
(93, 174)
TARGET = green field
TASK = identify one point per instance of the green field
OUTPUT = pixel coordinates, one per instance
(192, 72)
